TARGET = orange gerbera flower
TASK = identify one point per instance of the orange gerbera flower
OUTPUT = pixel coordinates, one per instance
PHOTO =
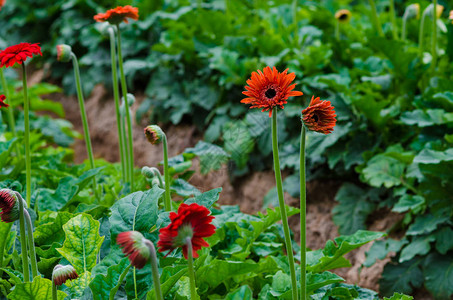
(117, 15)
(269, 89)
(319, 116)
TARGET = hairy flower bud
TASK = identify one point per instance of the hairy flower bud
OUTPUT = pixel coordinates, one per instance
(135, 246)
(62, 273)
(413, 11)
(154, 134)
(9, 206)
(64, 53)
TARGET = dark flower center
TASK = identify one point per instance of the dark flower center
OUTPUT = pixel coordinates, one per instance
(270, 93)
(316, 118)
(343, 17)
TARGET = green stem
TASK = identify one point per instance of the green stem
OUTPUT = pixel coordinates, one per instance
(377, 23)
(11, 121)
(54, 291)
(23, 241)
(434, 39)
(116, 96)
(167, 175)
(303, 217)
(83, 114)
(159, 176)
(393, 18)
(191, 271)
(337, 29)
(120, 281)
(27, 136)
(123, 132)
(31, 245)
(281, 201)
(135, 282)
(294, 9)
(403, 30)
(155, 270)
(128, 115)
(421, 33)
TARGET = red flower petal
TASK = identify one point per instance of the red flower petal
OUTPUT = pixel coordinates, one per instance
(18, 54)
(319, 116)
(118, 15)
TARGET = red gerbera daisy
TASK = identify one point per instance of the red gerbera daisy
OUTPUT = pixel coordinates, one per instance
(3, 104)
(62, 273)
(191, 221)
(18, 54)
(269, 89)
(319, 116)
(135, 247)
(9, 206)
(118, 15)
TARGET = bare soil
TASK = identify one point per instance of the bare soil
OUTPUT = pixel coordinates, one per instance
(248, 194)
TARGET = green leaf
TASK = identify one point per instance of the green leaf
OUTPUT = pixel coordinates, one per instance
(82, 242)
(352, 211)
(238, 142)
(425, 224)
(39, 289)
(438, 272)
(418, 246)
(444, 240)
(401, 277)
(5, 228)
(332, 255)
(220, 270)
(167, 282)
(428, 156)
(102, 285)
(212, 157)
(137, 211)
(383, 170)
(77, 286)
(281, 282)
(424, 118)
(206, 199)
(398, 296)
(52, 231)
(318, 280)
(381, 248)
(407, 202)
(242, 293)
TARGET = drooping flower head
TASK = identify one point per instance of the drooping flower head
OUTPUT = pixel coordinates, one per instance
(269, 89)
(18, 54)
(154, 134)
(117, 15)
(412, 11)
(343, 15)
(319, 116)
(62, 273)
(191, 221)
(2, 103)
(9, 206)
(451, 16)
(135, 247)
(64, 53)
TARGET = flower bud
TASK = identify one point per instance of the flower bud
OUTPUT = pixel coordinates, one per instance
(451, 16)
(154, 134)
(135, 246)
(64, 53)
(413, 11)
(429, 10)
(62, 273)
(343, 15)
(9, 206)
(147, 172)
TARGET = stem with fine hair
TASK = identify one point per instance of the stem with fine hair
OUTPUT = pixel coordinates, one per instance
(83, 114)
(155, 270)
(166, 175)
(421, 33)
(11, 121)
(23, 241)
(434, 39)
(393, 18)
(54, 290)
(294, 9)
(303, 218)
(116, 96)
(31, 244)
(27, 137)
(337, 29)
(403, 30)
(281, 202)
(377, 23)
(191, 271)
(120, 281)
(128, 115)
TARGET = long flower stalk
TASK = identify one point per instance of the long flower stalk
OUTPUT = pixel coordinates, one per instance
(191, 271)
(128, 115)
(421, 34)
(404, 28)
(303, 217)
(281, 201)
(83, 114)
(376, 22)
(31, 244)
(166, 175)
(434, 38)
(155, 270)
(393, 18)
(11, 121)
(294, 9)
(23, 241)
(116, 96)
(27, 136)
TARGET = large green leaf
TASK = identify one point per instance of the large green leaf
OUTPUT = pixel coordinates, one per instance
(137, 211)
(238, 142)
(212, 157)
(206, 199)
(5, 228)
(420, 245)
(170, 276)
(318, 280)
(383, 170)
(82, 242)
(242, 293)
(102, 285)
(428, 156)
(220, 270)
(424, 118)
(438, 272)
(401, 277)
(77, 286)
(398, 296)
(48, 233)
(39, 289)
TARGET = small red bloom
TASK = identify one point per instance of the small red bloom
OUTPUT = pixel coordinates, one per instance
(118, 15)
(9, 206)
(154, 134)
(2, 3)
(62, 273)
(269, 89)
(3, 104)
(319, 116)
(18, 54)
(191, 221)
(135, 246)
